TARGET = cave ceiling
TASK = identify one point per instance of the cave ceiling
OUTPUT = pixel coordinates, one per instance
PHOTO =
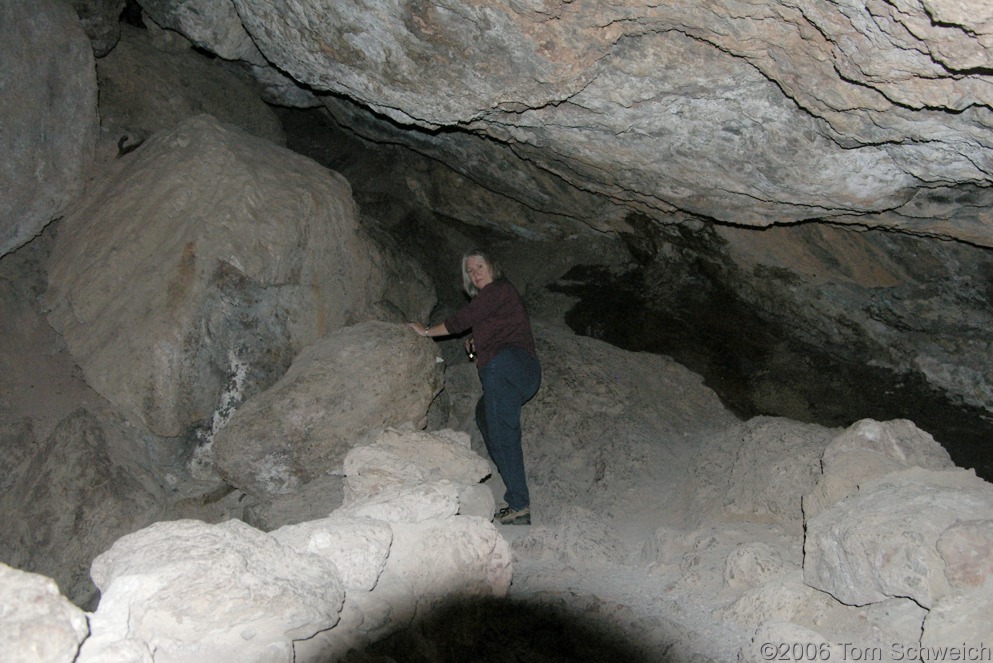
(875, 114)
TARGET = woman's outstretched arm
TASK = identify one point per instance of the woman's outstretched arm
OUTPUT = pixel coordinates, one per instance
(434, 330)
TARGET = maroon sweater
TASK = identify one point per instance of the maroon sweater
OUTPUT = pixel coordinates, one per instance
(498, 320)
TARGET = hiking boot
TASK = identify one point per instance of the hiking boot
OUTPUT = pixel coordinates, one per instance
(507, 516)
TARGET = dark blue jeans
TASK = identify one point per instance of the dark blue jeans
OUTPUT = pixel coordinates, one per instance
(509, 381)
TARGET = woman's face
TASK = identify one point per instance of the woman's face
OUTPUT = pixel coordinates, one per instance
(479, 271)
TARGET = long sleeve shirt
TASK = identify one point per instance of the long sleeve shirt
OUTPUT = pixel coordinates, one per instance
(498, 320)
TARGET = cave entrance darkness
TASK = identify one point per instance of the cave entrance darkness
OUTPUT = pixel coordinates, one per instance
(758, 367)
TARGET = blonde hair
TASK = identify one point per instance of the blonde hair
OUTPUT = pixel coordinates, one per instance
(467, 285)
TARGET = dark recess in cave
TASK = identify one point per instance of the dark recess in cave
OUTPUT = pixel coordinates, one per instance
(760, 368)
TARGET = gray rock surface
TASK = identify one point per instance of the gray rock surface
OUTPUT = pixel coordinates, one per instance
(958, 626)
(147, 86)
(399, 457)
(351, 383)
(358, 547)
(216, 27)
(608, 435)
(757, 470)
(82, 488)
(206, 24)
(101, 19)
(49, 111)
(409, 503)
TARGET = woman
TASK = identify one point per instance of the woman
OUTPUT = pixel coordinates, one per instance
(508, 370)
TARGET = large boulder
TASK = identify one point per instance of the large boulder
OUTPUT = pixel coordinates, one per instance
(202, 267)
(354, 381)
(49, 111)
(902, 536)
(868, 450)
(357, 546)
(400, 457)
(83, 488)
(187, 590)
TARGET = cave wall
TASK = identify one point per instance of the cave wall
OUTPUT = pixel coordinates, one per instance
(873, 113)
(571, 124)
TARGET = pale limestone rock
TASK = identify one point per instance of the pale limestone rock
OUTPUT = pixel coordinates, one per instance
(883, 542)
(353, 381)
(960, 621)
(476, 500)
(785, 640)
(966, 548)
(593, 428)
(780, 599)
(665, 545)
(400, 457)
(439, 558)
(868, 450)
(753, 564)
(819, 628)
(366, 617)
(309, 591)
(37, 623)
(358, 547)
(575, 536)
(433, 562)
(190, 591)
(758, 470)
(408, 504)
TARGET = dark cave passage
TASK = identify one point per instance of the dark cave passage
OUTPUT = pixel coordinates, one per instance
(760, 368)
